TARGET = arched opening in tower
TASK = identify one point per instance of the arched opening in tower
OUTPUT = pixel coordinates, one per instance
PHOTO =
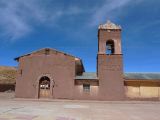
(110, 47)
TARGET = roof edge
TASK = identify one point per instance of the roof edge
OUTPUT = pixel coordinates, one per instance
(17, 58)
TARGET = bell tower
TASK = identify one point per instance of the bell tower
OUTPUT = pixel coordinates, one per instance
(110, 62)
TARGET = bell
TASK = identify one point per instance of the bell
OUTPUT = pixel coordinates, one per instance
(109, 47)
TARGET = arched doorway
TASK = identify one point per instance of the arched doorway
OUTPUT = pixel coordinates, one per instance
(44, 87)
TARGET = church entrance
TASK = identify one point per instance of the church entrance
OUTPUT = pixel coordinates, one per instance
(44, 87)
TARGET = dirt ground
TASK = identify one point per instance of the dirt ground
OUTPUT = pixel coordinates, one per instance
(29, 109)
(7, 95)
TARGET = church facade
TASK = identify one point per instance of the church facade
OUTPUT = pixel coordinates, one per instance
(48, 73)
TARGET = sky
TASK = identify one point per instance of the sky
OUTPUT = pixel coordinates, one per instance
(71, 26)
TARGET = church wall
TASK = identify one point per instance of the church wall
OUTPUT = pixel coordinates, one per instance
(80, 94)
(59, 68)
(142, 89)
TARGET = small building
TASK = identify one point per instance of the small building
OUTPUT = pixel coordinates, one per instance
(48, 73)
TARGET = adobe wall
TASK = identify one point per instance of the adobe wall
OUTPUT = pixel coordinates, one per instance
(142, 89)
(58, 67)
(80, 94)
(110, 74)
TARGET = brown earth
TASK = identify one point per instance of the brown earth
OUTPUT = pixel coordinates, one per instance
(7, 75)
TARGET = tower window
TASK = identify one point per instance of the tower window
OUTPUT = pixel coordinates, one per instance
(110, 47)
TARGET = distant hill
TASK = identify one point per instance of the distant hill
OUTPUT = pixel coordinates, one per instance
(7, 75)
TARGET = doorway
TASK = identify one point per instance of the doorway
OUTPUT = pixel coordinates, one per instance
(44, 87)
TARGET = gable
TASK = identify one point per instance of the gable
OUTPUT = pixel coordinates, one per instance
(45, 51)
(48, 51)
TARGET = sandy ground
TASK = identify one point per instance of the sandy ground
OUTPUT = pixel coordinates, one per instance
(27, 109)
(7, 95)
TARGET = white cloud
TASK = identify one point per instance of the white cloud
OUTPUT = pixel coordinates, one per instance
(18, 17)
(109, 10)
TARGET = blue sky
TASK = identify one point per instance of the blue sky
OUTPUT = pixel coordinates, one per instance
(71, 26)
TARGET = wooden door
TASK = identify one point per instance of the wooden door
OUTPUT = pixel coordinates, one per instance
(44, 88)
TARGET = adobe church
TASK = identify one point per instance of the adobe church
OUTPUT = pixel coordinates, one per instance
(48, 73)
